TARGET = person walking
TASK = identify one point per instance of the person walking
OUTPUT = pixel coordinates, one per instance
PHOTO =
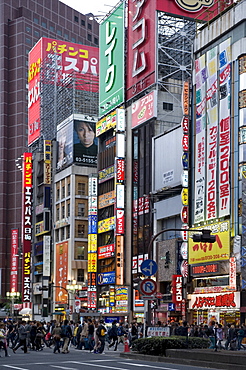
(112, 334)
(240, 336)
(22, 338)
(101, 332)
(90, 335)
(96, 338)
(56, 334)
(120, 335)
(3, 338)
(66, 334)
(231, 334)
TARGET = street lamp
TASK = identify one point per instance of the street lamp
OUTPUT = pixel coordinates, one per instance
(12, 296)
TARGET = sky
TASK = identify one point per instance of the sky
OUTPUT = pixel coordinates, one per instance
(96, 7)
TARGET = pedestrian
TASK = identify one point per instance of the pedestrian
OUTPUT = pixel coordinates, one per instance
(112, 334)
(22, 338)
(33, 333)
(66, 334)
(240, 336)
(120, 335)
(101, 332)
(3, 338)
(84, 335)
(231, 334)
(211, 334)
(56, 334)
(219, 335)
(90, 335)
(10, 334)
(96, 338)
(40, 334)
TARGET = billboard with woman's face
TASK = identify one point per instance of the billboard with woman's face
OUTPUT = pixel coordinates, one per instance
(85, 143)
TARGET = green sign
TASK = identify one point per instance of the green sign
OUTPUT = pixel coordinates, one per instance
(111, 44)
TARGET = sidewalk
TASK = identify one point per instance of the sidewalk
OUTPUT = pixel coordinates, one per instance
(197, 357)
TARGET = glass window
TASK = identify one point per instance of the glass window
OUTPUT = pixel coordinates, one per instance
(80, 275)
(68, 210)
(73, 39)
(68, 189)
(28, 41)
(57, 213)
(63, 192)
(68, 232)
(80, 252)
(59, 32)
(57, 193)
(35, 20)
(63, 211)
(28, 29)
(44, 24)
(89, 37)
(81, 231)
(81, 188)
(76, 19)
(81, 210)
(82, 22)
(52, 28)
(62, 233)
(89, 26)
(65, 36)
(96, 40)
(57, 235)
(36, 33)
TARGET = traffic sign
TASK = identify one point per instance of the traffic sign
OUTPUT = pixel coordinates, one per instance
(148, 287)
(148, 267)
(159, 295)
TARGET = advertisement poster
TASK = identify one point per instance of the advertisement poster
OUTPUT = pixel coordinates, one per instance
(61, 276)
(85, 144)
(144, 109)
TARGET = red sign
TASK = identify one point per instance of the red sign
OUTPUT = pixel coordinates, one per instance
(141, 205)
(120, 221)
(27, 227)
(177, 294)
(141, 50)
(205, 269)
(232, 273)
(184, 214)
(148, 286)
(220, 300)
(106, 251)
(82, 60)
(185, 143)
(185, 125)
(14, 261)
(144, 109)
(120, 170)
(203, 9)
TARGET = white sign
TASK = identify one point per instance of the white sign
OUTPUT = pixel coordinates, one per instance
(158, 331)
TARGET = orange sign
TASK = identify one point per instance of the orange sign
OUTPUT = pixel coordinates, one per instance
(61, 272)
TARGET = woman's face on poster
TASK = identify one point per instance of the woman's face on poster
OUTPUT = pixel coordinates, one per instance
(85, 133)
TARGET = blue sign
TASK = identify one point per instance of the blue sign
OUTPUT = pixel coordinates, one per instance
(148, 267)
(171, 307)
(92, 224)
(109, 320)
(106, 278)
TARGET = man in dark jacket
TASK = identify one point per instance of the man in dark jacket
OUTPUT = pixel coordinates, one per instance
(66, 334)
(90, 335)
(112, 333)
(101, 332)
(22, 337)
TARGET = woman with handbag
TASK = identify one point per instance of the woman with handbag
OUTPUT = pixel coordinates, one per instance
(39, 336)
(56, 334)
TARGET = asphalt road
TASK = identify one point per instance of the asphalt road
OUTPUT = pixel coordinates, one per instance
(80, 360)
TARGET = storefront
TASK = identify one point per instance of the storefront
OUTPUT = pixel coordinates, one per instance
(221, 307)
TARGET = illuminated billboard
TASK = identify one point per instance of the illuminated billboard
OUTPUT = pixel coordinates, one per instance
(71, 58)
(61, 276)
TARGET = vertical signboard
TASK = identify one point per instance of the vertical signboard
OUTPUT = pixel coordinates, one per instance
(177, 294)
(27, 228)
(141, 50)
(14, 261)
(224, 127)
(111, 91)
(46, 255)
(61, 276)
(201, 76)
(47, 162)
(212, 134)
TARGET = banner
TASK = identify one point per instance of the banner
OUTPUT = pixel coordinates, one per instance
(199, 201)
(14, 260)
(212, 134)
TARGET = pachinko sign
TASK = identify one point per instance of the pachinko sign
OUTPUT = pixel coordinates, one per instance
(215, 300)
(200, 252)
(27, 227)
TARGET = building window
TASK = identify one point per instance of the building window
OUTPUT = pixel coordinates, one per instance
(65, 36)
(82, 22)
(28, 29)
(167, 106)
(44, 24)
(80, 252)
(73, 39)
(80, 276)
(36, 33)
(68, 232)
(59, 32)
(62, 233)
(81, 210)
(68, 189)
(96, 40)
(68, 210)
(81, 231)
(28, 41)
(57, 213)
(57, 235)
(89, 37)
(57, 193)
(89, 26)
(76, 19)
(35, 20)
(63, 211)
(52, 28)
(63, 192)
(81, 188)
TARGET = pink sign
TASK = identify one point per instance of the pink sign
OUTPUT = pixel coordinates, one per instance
(144, 109)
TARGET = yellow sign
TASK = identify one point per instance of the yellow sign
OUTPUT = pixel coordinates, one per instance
(106, 225)
(92, 262)
(92, 243)
(106, 123)
(200, 252)
(184, 196)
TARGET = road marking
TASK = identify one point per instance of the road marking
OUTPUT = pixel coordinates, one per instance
(15, 367)
(93, 364)
(155, 367)
(64, 368)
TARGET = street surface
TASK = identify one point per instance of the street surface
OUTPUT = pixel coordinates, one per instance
(80, 360)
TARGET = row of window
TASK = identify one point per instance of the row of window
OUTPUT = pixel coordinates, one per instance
(63, 233)
(62, 212)
(65, 191)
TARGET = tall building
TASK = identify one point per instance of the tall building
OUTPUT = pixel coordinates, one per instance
(23, 22)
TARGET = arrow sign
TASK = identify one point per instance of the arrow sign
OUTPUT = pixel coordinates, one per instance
(148, 287)
(148, 267)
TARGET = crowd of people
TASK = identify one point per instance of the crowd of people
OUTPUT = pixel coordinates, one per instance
(94, 335)
(90, 335)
